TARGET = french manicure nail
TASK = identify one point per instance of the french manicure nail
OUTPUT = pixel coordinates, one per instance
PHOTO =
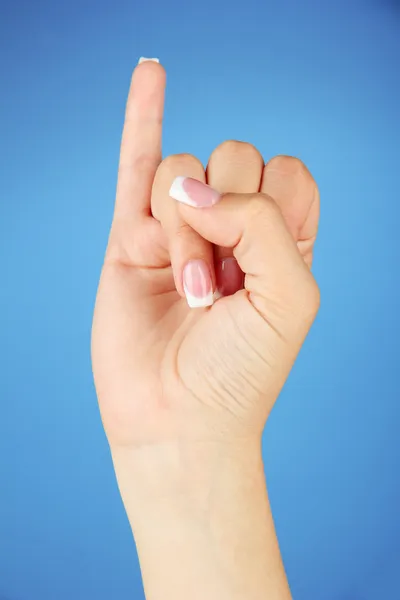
(143, 59)
(194, 193)
(197, 284)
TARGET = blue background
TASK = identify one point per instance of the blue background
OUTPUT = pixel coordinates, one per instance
(315, 79)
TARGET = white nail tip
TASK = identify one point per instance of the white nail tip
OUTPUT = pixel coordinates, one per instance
(195, 302)
(142, 59)
(178, 193)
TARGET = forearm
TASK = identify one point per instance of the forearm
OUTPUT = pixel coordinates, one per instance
(202, 522)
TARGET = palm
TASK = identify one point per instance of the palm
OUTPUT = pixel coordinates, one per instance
(150, 353)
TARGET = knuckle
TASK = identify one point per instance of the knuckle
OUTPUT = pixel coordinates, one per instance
(141, 164)
(185, 241)
(183, 231)
(235, 149)
(175, 163)
(262, 213)
(289, 165)
(263, 205)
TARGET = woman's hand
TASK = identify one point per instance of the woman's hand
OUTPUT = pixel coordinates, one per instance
(185, 392)
(165, 372)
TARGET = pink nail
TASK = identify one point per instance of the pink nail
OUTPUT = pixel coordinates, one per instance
(197, 284)
(194, 193)
(229, 276)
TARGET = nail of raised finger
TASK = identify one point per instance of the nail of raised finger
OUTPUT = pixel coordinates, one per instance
(142, 59)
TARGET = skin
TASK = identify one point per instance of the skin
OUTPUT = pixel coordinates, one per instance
(184, 393)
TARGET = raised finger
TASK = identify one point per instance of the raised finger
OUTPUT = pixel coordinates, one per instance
(141, 140)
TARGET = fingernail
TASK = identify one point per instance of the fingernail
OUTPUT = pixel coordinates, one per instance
(197, 284)
(194, 193)
(143, 59)
(229, 276)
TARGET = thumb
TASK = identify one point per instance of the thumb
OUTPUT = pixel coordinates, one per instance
(279, 284)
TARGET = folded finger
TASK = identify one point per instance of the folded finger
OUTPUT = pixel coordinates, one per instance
(191, 256)
(288, 181)
(233, 167)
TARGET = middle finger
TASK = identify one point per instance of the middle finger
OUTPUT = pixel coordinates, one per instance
(235, 167)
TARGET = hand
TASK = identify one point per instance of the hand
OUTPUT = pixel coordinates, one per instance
(184, 392)
(165, 372)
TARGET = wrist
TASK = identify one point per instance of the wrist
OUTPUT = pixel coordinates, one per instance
(185, 477)
(200, 513)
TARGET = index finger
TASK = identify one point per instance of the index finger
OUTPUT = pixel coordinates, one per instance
(141, 139)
